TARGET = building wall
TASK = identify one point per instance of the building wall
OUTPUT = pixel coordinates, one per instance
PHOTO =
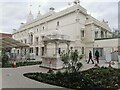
(71, 23)
(4, 35)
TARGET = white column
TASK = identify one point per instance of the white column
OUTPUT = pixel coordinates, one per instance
(68, 44)
(56, 48)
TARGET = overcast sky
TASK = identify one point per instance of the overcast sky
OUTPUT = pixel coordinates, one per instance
(13, 12)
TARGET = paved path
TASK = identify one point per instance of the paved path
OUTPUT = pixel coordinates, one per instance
(13, 77)
(102, 63)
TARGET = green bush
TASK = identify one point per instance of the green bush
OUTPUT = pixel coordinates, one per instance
(26, 63)
(5, 59)
(71, 61)
(93, 78)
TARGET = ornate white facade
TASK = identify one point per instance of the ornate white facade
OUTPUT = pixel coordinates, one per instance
(80, 27)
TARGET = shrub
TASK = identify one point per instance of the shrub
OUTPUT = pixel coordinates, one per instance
(72, 61)
(93, 78)
(5, 59)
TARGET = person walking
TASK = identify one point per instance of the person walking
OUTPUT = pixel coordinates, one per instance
(90, 58)
(97, 56)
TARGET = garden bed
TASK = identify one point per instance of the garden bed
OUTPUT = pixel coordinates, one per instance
(25, 63)
(93, 78)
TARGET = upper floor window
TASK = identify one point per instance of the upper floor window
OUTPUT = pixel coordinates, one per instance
(25, 41)
(82, 33)
(37, 39)
(37, 29)
(21, 40)
(30, 38)
(87, 18)
(96, 34)
(58, 23)
(43, 27)
(102, 34)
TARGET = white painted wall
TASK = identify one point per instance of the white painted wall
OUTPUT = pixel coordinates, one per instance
(68, 26)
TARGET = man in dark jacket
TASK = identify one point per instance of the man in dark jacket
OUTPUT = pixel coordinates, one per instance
(97, 56)
(90, 58)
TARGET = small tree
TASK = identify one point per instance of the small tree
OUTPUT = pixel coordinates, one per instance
(71, 61)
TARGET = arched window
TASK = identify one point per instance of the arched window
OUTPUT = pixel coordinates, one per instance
(30, 38)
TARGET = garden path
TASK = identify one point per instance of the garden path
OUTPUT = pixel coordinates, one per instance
(13, 77)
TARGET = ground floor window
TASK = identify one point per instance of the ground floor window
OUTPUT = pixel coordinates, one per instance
(25, 51)
(31, 50)
(82, 50)
(37, 51)
(59, 51)
(42, 51)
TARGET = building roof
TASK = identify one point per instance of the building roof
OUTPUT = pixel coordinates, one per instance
(5, 35)
(54, 15)
(11, 43)
(92, 20)
(46, 17)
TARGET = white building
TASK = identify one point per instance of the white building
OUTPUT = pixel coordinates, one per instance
(80, 27)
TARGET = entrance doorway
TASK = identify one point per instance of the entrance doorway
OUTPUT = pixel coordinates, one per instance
(100, 50)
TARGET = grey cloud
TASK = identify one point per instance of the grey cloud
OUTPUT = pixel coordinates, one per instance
(16, 12)
(12, 15)
(104, 10)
